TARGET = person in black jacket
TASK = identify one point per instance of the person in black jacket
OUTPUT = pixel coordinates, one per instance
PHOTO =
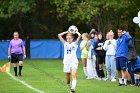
(132, 57)
(100, 57)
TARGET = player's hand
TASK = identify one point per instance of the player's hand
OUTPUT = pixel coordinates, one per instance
(66, 32)
(8, 57)
(99, 48)
(109, 42)
(24, 56)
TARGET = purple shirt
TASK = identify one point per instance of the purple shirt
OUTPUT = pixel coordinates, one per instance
(16, 46)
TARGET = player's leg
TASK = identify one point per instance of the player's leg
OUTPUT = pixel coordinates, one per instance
(94, 66)
(84, 61)
(107, 63)
(119, 71)
(20, 59)
(74, 77)
(90, 69)
(101, 71)
(123, 63)
(14, 61)
(20, 67)
(97, 66)
(113, 69)
(15, 68)
(74, 80)
(131, 71)
(67, 71)
(67, 75)
(128, 77)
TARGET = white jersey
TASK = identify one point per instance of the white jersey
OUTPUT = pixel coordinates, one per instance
(70, 53)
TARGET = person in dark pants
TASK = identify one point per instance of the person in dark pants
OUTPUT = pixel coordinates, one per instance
(132, 57)
(100, 57)
(16, 52)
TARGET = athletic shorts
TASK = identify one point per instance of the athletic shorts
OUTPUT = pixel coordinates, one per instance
(68, 67)
(15, 58)
(121, 63)
(84, 55)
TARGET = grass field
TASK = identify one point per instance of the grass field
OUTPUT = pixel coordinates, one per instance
(47, 75)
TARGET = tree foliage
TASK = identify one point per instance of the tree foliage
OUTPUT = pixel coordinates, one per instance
(46, 18)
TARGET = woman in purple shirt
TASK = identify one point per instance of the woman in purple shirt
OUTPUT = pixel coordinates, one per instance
(16, 50)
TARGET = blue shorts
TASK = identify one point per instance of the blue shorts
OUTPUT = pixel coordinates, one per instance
(121, 63)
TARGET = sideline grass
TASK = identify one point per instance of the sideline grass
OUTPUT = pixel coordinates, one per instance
(48, 76)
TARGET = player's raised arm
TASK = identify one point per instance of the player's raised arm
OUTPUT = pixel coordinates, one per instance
(61, 38)
(78, 39)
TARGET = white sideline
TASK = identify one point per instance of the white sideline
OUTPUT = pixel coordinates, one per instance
(24, 83)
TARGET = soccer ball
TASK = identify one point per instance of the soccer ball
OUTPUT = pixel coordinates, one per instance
(73, 29)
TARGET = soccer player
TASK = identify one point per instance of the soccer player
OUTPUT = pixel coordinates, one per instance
(110, 62)
(84, 52)
(16, 51)
(122, 55)
(70, 60)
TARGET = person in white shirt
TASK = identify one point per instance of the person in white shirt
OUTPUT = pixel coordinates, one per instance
(110, 48)
(70, 60)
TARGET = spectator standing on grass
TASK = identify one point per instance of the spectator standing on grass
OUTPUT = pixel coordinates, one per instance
(132, 57)
(91, 60)
(110, 60)
(100, 57)
(122, 55)
(84, 52)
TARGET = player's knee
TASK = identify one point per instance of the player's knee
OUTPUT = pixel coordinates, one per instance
(14, 65)
(73, 75)
(20, 63)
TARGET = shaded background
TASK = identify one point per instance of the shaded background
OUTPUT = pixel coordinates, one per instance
(44, 19)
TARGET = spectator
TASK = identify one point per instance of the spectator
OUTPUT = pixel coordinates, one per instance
(100, 57)
(84, 52)
(91, 60)
(132, 56)
(110, 48)
(122, 55)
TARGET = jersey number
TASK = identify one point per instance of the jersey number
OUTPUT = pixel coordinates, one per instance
(69, 51)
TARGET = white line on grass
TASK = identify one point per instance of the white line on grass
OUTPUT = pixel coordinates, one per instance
(24, 83)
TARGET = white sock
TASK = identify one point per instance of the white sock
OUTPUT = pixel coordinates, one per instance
(122, 75)
(125, 81)
(85, 70)
(74, 82)
(120, 81)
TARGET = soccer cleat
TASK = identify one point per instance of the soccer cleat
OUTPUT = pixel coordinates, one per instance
(121, 84)
(124, 84)
(72, 91)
